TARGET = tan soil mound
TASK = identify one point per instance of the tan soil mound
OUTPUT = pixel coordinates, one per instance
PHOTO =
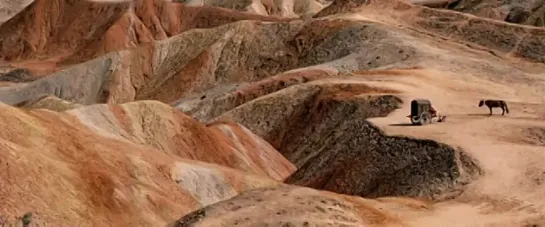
(133, 164)
(294, 206)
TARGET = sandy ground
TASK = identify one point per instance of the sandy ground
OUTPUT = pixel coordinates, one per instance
(510, 149)
(507, 149)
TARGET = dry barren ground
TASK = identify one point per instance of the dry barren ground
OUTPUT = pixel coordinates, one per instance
(268, 113)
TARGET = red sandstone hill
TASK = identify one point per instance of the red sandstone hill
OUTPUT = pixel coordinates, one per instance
(60, 32)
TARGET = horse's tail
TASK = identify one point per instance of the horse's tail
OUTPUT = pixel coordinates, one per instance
(506, 108)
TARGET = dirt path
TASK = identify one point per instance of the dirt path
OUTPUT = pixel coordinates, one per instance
(510, 149)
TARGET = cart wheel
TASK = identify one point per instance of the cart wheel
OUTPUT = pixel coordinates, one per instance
(425, 119)
(415, 120)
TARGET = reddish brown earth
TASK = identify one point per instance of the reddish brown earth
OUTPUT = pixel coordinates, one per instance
(278, 113)
(140, 162)
(61, 33)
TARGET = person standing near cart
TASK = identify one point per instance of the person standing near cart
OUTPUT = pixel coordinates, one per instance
(435, 114)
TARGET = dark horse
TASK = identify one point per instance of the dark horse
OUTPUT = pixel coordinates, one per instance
(495, 103)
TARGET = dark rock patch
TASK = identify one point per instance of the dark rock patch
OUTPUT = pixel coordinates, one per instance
(17, 76)
(336, 149)
(326, 135)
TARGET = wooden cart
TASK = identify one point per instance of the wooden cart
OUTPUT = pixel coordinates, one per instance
(420, 112)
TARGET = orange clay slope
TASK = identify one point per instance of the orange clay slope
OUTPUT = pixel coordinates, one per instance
(63, 33)
(139, 163)
(170, 69)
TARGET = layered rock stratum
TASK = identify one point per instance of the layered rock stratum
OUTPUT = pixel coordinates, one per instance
(140, 162)
(269, 113)
(513, 11)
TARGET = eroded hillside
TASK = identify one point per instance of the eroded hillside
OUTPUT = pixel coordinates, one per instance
(525, 12)
(138, 162)
(284, 8)
(322, 133)
(46, 36)
(209, 113)
(294, 206)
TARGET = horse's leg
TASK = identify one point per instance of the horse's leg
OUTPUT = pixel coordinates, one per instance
(490, 108)
(502, 110)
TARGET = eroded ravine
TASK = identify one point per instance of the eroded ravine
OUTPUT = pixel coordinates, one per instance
(323, 130)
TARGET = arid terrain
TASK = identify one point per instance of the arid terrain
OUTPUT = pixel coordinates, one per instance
(270, 113)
